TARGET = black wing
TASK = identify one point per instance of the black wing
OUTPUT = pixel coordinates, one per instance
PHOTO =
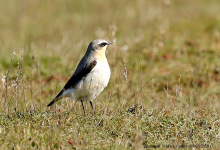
(74, 79)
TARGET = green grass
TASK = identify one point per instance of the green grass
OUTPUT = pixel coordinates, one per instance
(113, 129)
(169, 99)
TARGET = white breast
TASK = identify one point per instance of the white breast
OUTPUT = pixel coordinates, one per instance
(94, 82)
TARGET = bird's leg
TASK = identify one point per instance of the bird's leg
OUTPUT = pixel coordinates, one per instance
(83, 107)
(92, 107)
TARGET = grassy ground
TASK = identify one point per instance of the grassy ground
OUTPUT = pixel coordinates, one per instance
(164, 89)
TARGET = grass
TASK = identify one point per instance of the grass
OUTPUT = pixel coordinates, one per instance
(164, 89)
(114, 129)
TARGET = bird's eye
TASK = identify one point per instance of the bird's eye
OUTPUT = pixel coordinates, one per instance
(103, 44)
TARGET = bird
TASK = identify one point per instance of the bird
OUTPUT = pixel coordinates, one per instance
(91, 76)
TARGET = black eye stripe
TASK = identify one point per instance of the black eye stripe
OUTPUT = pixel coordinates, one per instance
(103, 44)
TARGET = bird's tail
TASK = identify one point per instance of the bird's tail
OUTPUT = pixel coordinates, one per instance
(53, 101)
(59, 96)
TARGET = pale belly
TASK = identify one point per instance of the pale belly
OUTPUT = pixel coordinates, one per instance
(94, 83)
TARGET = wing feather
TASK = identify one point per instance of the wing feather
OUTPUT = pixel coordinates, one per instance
(74, 80)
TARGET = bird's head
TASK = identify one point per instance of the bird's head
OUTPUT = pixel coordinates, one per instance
(98, 46)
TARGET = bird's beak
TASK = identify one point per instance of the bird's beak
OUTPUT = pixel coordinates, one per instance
(109, 43)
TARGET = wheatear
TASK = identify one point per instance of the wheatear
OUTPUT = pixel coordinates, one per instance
(91, 76)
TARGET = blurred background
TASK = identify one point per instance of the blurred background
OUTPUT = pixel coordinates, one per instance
(171, 50)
